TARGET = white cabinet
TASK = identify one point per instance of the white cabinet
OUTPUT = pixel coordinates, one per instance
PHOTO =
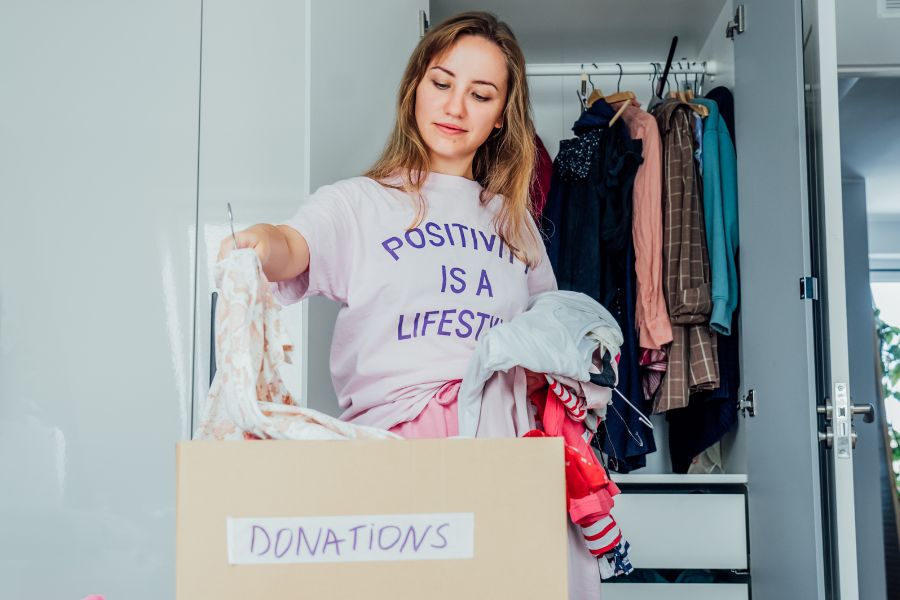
(684, 531)
(98, 188)
(254, 101)
(676, 591)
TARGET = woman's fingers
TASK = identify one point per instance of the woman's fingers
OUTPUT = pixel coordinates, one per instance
(243, 239)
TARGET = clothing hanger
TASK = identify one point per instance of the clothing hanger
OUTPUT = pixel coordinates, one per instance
(687, 95)
(653, 77)
(625, 97)
(595, 378)
(636, 437)
(231, 224)
(641, 416)
(618, 113)
(582, 92)
(702, 79)
(657, 96)
(596, 94)
(620, 96)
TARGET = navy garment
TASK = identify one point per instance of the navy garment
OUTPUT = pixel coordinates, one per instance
(587, 223)
(711, 414)
(724, 98)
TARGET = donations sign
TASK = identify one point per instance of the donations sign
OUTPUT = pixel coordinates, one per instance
(355, 519)
(282, 540)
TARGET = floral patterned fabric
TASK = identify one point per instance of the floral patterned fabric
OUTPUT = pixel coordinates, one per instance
(247, 398)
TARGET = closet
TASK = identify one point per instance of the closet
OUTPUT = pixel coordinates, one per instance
(132, 129)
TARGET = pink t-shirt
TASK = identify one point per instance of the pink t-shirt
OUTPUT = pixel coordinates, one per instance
(414, 302)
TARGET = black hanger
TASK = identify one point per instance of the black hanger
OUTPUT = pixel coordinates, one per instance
(660, 85)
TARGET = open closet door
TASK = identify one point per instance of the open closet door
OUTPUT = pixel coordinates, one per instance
(779, 358)
(835, 407)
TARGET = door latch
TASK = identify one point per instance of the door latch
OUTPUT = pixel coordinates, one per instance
(809, 288)
(747, 405)
(841, 414)
(737, 25)
(423, 23)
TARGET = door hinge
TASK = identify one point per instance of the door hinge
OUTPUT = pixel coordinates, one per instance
(747, 405)
(423, 23)
(809, 288)
(737, 25)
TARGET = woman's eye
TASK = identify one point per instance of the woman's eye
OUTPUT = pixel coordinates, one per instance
(440, 86)
(480, 98)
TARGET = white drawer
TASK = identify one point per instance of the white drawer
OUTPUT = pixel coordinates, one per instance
(684, 531)
(675, 591)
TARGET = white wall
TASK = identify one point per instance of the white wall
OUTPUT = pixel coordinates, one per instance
(98, 189)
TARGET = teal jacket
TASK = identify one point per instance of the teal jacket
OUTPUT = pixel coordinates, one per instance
(720, 215)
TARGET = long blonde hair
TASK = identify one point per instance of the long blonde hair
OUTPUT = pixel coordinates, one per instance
(503, 164)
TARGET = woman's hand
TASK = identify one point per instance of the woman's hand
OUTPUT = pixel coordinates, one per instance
(256, 237)
(282, 251)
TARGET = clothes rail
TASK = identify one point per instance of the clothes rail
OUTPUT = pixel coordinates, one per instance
(679, 67)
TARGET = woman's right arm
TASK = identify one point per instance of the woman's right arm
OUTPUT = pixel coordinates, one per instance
(282, 251)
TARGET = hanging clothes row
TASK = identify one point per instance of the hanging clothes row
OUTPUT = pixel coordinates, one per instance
(641, 214)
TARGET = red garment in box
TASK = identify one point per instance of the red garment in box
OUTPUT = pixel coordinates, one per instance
(589, 490)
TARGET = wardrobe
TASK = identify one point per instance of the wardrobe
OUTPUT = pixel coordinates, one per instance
(160, 115)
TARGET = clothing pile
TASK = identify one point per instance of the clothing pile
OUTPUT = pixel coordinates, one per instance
(566, 337)
(247, 398)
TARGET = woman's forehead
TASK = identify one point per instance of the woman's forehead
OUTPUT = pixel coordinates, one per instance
(473, 58)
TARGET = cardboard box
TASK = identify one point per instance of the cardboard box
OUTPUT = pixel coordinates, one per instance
(436, 519)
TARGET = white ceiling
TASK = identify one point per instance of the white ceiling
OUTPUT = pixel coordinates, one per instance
(870, 139)
(598, 30)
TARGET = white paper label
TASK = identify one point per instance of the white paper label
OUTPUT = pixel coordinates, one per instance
(355, 538)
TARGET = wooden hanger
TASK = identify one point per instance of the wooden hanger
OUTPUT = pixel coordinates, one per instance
(620, 97)
(612, 98)
(619, 113)
(624, 97)
(686, 97)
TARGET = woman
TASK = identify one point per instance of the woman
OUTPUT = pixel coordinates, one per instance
(431, 247)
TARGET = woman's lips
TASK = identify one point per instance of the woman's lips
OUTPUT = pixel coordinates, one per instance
(450, 130)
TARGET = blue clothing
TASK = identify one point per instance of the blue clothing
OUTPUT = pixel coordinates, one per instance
(720, 215)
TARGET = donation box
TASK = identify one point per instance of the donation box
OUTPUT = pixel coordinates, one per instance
(456, 519)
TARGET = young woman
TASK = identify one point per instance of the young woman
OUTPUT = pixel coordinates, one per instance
(431, 247)
(434, 245)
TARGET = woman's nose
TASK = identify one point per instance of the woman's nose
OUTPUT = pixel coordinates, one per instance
(455, 105)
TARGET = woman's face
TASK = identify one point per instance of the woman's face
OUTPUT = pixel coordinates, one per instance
(459, 101)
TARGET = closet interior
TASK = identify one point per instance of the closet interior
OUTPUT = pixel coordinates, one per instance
(577, 52)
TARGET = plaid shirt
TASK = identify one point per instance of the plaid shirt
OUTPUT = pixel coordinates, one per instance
(693, 361)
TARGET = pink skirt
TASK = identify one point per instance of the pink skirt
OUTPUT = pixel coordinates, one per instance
(438, 419)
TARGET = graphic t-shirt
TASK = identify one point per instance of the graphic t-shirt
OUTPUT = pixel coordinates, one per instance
(415, 301)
